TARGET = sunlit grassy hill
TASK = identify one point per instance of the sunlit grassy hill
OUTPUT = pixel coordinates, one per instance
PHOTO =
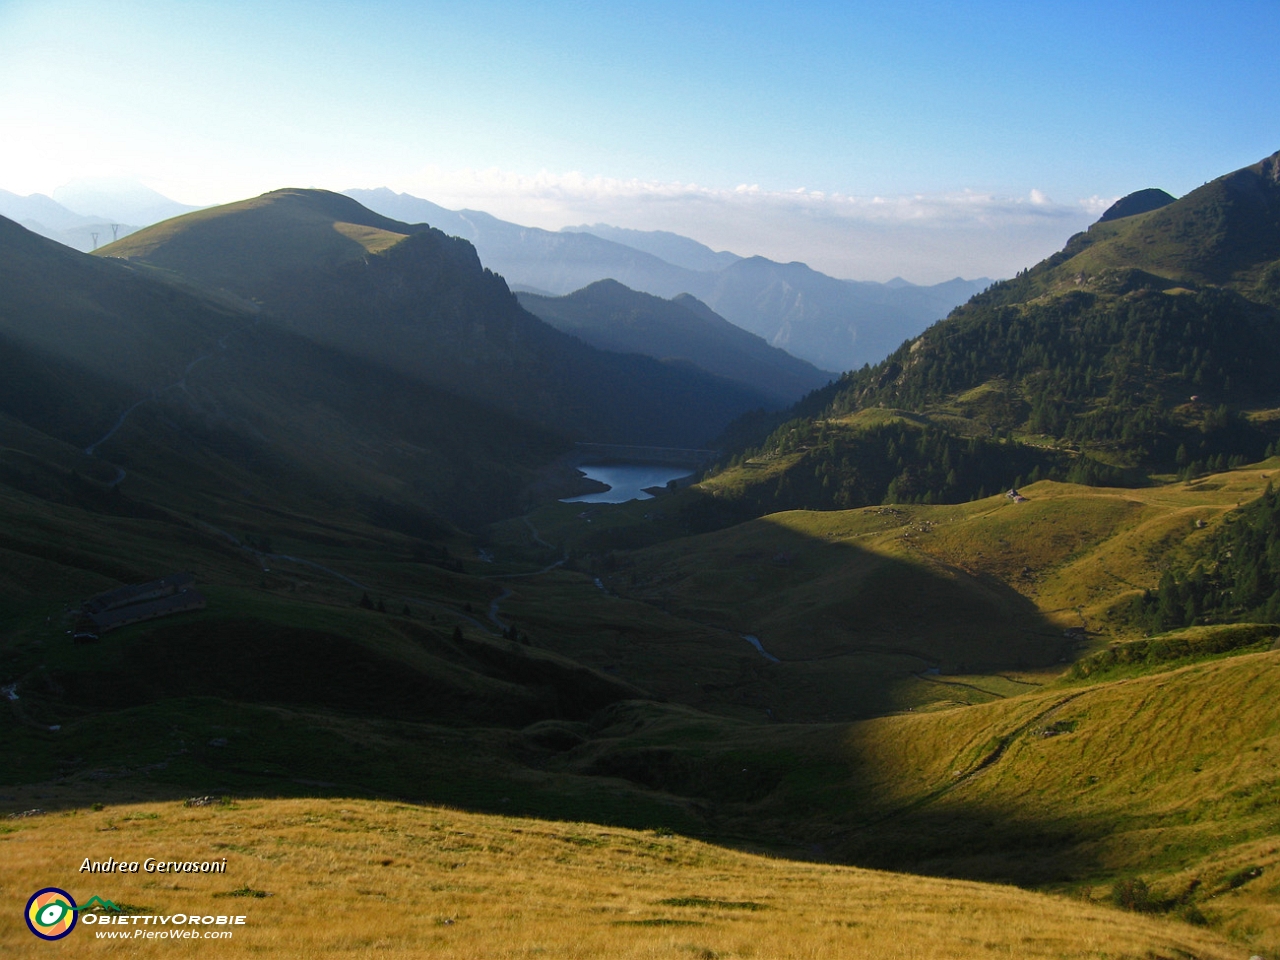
(349, 877)
(245, 247)
(878, 609)
(1009, 576)
(1225, 232)
(1170, 778)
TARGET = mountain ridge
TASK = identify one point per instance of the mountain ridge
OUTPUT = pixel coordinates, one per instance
(675, 249)
(410, 297)
(1149, 345)
(611, 316)
(833, 324)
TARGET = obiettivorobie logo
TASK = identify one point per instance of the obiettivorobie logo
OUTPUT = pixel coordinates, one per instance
(52, 913)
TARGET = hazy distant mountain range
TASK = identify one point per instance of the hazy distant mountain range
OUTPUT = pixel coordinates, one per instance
(834, 324)
(86, 214)
(613, 317)
(671, 247)
(119, 199)
(45, 216)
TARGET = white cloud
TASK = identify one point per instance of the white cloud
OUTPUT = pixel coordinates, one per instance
(923, 237)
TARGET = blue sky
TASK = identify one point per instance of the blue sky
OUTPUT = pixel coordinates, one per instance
(922, 139)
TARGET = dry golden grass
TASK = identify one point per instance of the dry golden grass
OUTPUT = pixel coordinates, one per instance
(1184, 749)
(358, 878)
(1073, 551)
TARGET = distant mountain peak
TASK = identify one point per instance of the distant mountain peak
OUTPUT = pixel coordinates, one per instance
(671, 247)
(606, 286)
(118, 198)
(611, 316)
(1142, 201)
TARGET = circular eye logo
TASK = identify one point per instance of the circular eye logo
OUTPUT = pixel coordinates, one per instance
(51, 913)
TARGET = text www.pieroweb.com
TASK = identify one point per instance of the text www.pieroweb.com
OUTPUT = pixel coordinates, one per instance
(179, 926)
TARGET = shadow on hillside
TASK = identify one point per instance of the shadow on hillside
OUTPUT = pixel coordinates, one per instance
(246, 708)
(781, 797)
(846, 633)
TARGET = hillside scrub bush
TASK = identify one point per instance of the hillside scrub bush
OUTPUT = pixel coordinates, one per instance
(1168, 649)
(1133, 894)
(840, 468)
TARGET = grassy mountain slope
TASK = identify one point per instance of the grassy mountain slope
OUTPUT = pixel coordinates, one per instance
(1168, 778)
(62, 309)
(1164, 776)
(612, 317)
(1226, 232)
(243, 247)
(413, 299)
(909, 607)
(190, 394)
(1079, 554)
(559, 888)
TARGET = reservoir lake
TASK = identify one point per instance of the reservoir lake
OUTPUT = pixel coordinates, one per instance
(626, 480)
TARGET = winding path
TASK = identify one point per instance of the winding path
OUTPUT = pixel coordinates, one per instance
(506, 591)
(537, 537)
(180, 384)
(961, 777)
(260, 556)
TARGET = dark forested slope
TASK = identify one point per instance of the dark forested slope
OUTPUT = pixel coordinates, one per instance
(1148, 333)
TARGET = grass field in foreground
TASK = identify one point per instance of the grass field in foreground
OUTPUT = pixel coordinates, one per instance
(345, 877)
